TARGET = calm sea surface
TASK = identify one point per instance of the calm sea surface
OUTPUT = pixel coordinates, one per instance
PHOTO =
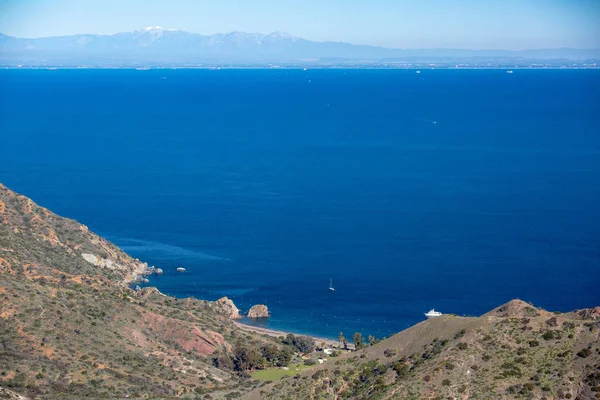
(458, 190)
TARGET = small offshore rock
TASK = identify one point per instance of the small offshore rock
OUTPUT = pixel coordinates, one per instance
(258, 311)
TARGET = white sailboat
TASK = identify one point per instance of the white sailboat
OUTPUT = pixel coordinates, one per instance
(331, 285)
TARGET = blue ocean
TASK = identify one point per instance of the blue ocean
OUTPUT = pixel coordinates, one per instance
(457, 190)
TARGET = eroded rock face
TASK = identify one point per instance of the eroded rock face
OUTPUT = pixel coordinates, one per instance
(590, 313)
(10, 395)
(225, 306)
(134, 271)
(258, 311)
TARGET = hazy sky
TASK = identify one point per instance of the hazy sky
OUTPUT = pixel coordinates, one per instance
(475, 24)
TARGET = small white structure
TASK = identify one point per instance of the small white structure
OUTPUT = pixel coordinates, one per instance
(432, 313)
(321, 360)
(328, 351)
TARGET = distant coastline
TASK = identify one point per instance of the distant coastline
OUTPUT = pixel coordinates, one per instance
(341, 66)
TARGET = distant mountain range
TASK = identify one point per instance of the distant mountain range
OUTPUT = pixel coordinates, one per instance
(155, 45)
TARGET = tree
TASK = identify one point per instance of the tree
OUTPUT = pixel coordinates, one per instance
(304, 344)
(357, 339)
(224, 361)
(246, 358)
(342, 339)
(284, 357)
(269, 352)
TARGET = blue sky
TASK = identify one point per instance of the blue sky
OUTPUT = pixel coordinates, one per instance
(474, 24)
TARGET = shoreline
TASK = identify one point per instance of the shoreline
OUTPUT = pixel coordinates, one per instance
(278, 333)
(256, 329)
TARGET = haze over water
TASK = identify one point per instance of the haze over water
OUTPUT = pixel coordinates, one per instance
(458, 190)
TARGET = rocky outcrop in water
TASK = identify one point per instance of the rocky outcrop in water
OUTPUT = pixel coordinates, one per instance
(258, 311)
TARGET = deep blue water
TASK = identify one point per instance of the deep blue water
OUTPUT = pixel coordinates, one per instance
(265, 184)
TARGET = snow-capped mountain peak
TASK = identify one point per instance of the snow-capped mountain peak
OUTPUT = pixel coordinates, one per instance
(278, 35)
(156, 29)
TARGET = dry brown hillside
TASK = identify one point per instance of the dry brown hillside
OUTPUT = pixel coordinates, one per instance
(70, 327)
(516, 351)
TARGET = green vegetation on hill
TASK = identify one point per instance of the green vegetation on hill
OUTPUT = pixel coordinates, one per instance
(515, 351)
(71, 328)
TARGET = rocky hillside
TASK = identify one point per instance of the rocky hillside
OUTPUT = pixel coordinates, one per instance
(70, 327)
(515, 351)
(34, 236)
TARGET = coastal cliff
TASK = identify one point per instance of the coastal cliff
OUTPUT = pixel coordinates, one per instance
(24, 223)
(71, 328)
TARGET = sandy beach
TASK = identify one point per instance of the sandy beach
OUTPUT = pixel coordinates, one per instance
(276, 333)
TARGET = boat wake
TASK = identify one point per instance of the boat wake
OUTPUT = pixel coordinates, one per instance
(139, 248)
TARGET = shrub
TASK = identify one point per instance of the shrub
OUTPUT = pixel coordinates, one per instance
(446, 382)
(463, 346)
(390, 352)
(319, 374)
(401, 369)
(568, 325)
(584, 353)
(548, 335)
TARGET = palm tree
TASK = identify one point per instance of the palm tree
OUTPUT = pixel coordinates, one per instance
(342, 340)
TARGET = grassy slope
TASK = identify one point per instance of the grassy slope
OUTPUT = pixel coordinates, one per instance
(70, 329)
(275, 374)
(505, 354)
